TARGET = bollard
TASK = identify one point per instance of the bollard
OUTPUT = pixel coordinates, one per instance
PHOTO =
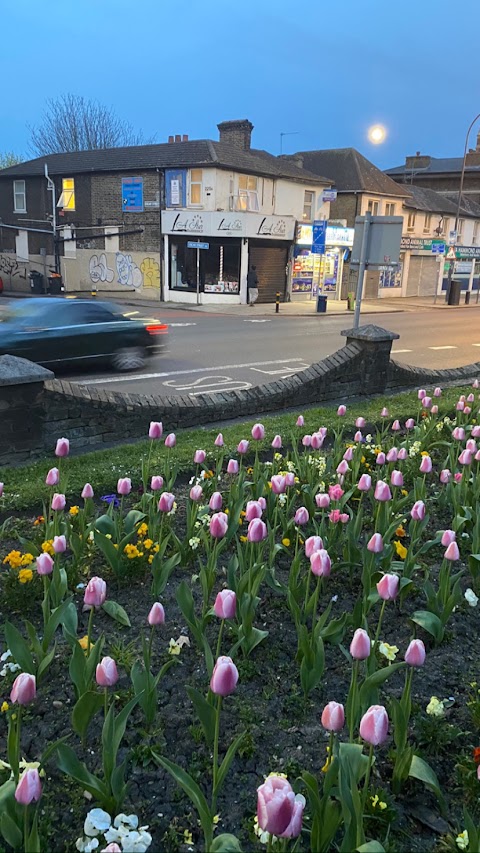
(93, 291)
(467, 298)
(277, 302)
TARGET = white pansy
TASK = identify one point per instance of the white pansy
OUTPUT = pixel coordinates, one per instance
(471, 598)
(127, 820)
(7, 654)
(194, 542)
(86, 845)
(96, 821)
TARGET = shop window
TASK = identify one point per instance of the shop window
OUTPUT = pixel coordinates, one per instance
(427, 224)
(308, 206)
(411, 222)
(219, 268)
(19, 197)
(247, 193)
(196, 182)
(475, 233)
(389, 209)
(461, 223)
(372, 207)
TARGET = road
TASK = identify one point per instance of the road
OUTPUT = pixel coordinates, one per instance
(215, 352)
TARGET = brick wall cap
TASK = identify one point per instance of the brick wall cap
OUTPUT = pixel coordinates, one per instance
(370, 333)
(20, 371)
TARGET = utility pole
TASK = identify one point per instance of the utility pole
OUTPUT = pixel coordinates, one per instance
(459, 205)
(51, 188)
(361, 268)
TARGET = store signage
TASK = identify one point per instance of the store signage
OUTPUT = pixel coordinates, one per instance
(418, 243)
(335, 236)
(467, 251)
(220, 224)
(132, 195)
(329, 195)
(196, 245)
(438, 247)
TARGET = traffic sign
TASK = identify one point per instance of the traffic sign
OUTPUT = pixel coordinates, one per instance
(192, 245)
(438, 247)
(319, 234)
(452, 238)
(451, 253)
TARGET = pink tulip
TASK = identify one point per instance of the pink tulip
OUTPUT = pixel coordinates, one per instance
(452, 553)
(322, 500)
(358, 437)
(384, 413)
(313, 543)
(307, 440)
(437, 392)
(95, 592)
(335, 492)
(87, 492)
(460, 406)
(232, 467)
(341, 411)
(63, 447)
(466, 457)
(258, 432)
(59, 544)
(224, 677)
(458, 434)
(166, 502)
(320, 563)
(333, 717)
(218, 525)
(475, 383)
(157, 614)
(388, 587)
(458, 477)
(24, 689)
(471, 445)
(445, 476)
(155, 429)
(156, 483)
(344, 517)
(382, 491)
(300, 421)
(375, 544)
(58, 502)
(243, 446)
(253, 510)
(334, 516)
(434, 410)
(476, 431)
(374, 725)
(294, 828)
(106, 674)
(275, 805)
(277, 442)
(196, 494)
(462, 398)
(289, 479)
(392, 455)
(278, 484)
(477, 456)
(471, 398)
(263, 503)
(396, 479)
(112, 848)
(124, 486)
(364, 483)
(219, 442)
(409, 424)
(421, 393)
(426, 465)
(402, 454)
(426, 402)
(396, 426)
(415, 654)
(216, 502)
(171, 440)
(257, 530)
(53, 477)
(317, 441)
(225, 604)
(418, 511)
(360, 423)
(360, 646)
(381, 458)
(29, 787)
(199, 457)
(448, 536)
(342, 468)
(44, 564)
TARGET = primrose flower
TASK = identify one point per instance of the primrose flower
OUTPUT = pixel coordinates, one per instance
(388, 651)
(435, 707)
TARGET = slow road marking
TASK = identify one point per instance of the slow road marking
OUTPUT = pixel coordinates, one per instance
(139, 376)
(445, 347)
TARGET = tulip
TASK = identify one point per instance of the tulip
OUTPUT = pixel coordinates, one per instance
(448, 536)
(166, 502)
(458, 477)
(333, 717)
(445, 475)
(335, 492)
(471, 445)
(63, 447)
(358, 437)
(421, 393)
(289, 479)
(53, 477)
(302, 516)
(458, 434)
(29, 788)
(392, 455)
(307, 440)
(426, 402)
(396, 479)
(437, 392)
(44, 564)
(215, 503)
(317, 441)
(360, 646)
(384, 413)
(258, 432)
(471, 398)
(410, 423)
(434, 410)
(344, 517)
(415, 654)
(87, 492)
(375, 544)
(313, 543)
(476, 431)
(396, 426)
(382, 491)
(253, 510)
(320, 563)
(322, 500)
(263, 503)
(157, 614)
(300, 421)
(171, 440)
(156, 483)
(388, 587)
(219, 442)
(426, 465)
(58, 502)
(106, 674)
(232, 467)
(341, 411)
(95, 592)
(199, 457)
(452, 553)
(124, 486)
(225, 604)
(196, 494)
(374, 725)
(418, 511)
(155, 429)
(24, 689)
(59, 544)
(467, 410)
(462, 398)
(277, 442)
(477, 456)
(243, 446)
(342, 467)
(257, 530)
(224, 677)
(278, 484)
(460, 406)
(466, 457)
(218, 525)
(112, 848)
(475, 383)
(364, 483)
(294, 828)
(275, 805)
(360, 423)
(381, 458)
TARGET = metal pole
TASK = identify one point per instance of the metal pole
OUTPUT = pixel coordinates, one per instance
(361, 269)
(198, 276)
(277, 302)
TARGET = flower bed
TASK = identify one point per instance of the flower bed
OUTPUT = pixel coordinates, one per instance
(278, 651)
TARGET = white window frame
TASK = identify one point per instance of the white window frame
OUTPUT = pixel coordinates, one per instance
(196, 184)
(17, 192)
(411, 221)
(390, 208)
(373, 207)
(308, 204)
(248, 194)
(446, 225)
(461, 225)
(427, 225)
(476, 226)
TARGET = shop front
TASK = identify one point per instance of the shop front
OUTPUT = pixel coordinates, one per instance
(466, 269)
(420, 264)
(207, 255)
(312, 272)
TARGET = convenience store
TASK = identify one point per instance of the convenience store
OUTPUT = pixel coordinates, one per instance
(311, 272)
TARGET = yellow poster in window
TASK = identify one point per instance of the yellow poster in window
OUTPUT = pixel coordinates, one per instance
(68, 193)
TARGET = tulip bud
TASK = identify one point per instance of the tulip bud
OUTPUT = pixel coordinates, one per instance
(466, 457)
(87, 492)
(166, 502)
(157, 614)
(253, 510)
(243, 446)
(360, 646)
(112, 848)
(381, 458)
(475, 383)
(322, 500)
(471, 445)
(124, 486)
(106, 674)
(392, 455)
(171, 440)
(225, 604)
(63, 447)
(301, 516)
(300, 421)
(58, 502)
(313, 543)
(29, 787)
(426, 402)
(156, 483)
(215, 502)
(342, 467)
(418, 511)
(53, 477)
(218, 525)
(434, 410)
(317, 441)
(219, 442)
(415, 654)
(59, 544)
(460, 406)
(196, 494)
(258, 432)
(384, 413)
(426, 465)
(333, 717)
(155, 429)
(448, 536)
(452, 553)
(471, 398)
(360, 423)
(458, 434)
(261, 500)
(199, 457)
(364, 483)
(375, 544)
(445, 476)
(396, 479)
(307, 440)
(278, 484)
(409, 424)
(320, 563)
(421, 393)
(224, 677)
(277, 442)
(24, 689)
(95, 592)
(388, 587)
(289, 479)
(437, 392)
(374, 725)
(341, 411)
(458, 477)
(396, 426)
(44, 564)
(257, 530)
(232, 467)
(358, 437)
(382, 491)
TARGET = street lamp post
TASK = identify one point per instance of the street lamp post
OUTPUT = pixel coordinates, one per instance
(459, 204)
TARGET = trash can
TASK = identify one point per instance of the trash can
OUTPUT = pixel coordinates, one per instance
(350, 301)
(36, 281)
(321, 303)
(455, 290)
(55, 283)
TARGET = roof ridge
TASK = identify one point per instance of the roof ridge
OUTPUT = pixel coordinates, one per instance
(211, 148)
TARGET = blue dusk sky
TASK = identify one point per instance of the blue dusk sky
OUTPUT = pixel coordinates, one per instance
(327, 69)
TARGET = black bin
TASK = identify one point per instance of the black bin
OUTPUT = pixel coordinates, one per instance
(321, 303)
(455, 290)
(36, 281)
(55, 284)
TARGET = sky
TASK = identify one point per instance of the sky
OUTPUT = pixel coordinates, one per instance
(321, 70)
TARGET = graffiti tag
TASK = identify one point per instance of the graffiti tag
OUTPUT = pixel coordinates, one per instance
(11, 267)
(128, 272)
(99, 269)
(151, 272)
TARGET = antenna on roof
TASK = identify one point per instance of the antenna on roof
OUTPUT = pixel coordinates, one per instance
(289, 133)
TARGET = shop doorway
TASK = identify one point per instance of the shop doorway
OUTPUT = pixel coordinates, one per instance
(271, 267)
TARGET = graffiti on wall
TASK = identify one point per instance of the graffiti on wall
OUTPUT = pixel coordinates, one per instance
(151, 272)
(128, 272)
(10, 266)
(99, 269)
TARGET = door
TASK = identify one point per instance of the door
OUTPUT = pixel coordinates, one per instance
(271, 267)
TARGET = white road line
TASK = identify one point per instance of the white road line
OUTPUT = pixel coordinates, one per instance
(445, 347)
(475, 345)
(257, 321)
(398, 351)
(140, 376)
(176, 325)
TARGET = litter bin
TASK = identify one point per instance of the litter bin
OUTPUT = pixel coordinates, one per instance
(350, 301)
(455, 290)
(55, 283)
(321, 303)
(36, 281)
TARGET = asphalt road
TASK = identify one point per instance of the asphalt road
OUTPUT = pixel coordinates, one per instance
(215, 352)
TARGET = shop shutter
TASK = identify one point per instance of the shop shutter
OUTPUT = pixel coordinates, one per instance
(422, 276)
(271, 264)
(414, 275)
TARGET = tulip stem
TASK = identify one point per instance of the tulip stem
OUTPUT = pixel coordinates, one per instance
(307, 592)
(215, 753)
(352, 700)
(330, 749)
(364, 796)
(150, 644)
(377, 633)
(18, 729)
(89, 630)
(315, 605)
(219, 641)
(45, 605)
(105, 702)
(25, 829)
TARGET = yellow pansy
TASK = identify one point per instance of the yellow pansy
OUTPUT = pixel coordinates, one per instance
(400, 549)
(25, 575)
(400, 531)
(286, 542)
(388, 651)
(4, 707)
(83, 643)
(187, 837)
(142, 530)
(148, 544)
(243, 539)
(47, 547)
(74, 510)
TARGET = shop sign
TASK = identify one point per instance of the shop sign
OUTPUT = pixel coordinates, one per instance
(319, 233)
(416, 243)
(339, 236)
(132, 195)
(467, 252)
(329, 195)
(220, 224)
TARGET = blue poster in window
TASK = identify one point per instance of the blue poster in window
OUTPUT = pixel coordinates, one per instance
(132, 195)
(176, 187)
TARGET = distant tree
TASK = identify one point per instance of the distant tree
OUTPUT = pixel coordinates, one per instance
(9, 159)
(74, 123)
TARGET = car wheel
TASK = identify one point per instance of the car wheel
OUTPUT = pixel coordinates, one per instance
(129, 358)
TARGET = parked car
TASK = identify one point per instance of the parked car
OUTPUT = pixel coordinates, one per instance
(59, 332)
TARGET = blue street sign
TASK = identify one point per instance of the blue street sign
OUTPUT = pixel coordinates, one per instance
(132, 195)
(319, 233)
(438, 247)
(329, 195)
(198, 245)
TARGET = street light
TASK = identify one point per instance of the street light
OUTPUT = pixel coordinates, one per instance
(457, 217)
(377, 134)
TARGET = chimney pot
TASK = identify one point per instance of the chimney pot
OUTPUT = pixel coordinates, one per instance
(178, 138)
(170, 139)
(237, 133)
(185, 137)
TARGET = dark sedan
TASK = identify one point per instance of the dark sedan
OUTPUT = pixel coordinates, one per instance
(61, 332)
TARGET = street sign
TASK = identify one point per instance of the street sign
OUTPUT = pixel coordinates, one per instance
(319, 234)
(451, 253)
(384, 236)
(329, 195)
(132, 195)
(192, 245)
(452, 238)
(438, 247)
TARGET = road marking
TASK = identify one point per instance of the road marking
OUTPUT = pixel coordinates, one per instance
(208, 384)
(475, 345)
(175, 325)
(445, 347)
(257, 321)
(398, 351)
(140, 376)
(283, 371)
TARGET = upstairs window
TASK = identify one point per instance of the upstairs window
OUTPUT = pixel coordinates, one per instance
(372, 207)
(461, 223)
(247, 193)
(411, 222)
(308, 206)
(475, 233)
(196, 184)
(428, 223)
(389, 209)
(19, 197)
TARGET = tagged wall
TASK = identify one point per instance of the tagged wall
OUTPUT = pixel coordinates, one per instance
(119, 272)
(14, 273)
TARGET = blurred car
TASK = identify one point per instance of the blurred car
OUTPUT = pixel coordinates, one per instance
(66, 332)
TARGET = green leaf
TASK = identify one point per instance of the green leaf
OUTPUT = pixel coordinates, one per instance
(380, 676)
(371, 847)
(419, 769)
(205, 712)
(131, 520)
(430, 623)
(105, 525)
(33, 842)
(10, 831)
(225, 843)
(225, 765)
(68, 763)
(117, 612)
(193, 791)
(84, 709)
(19, 648)
(113, 555)
(57, 617)
(45, 663)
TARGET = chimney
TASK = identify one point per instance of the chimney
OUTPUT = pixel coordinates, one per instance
(236, 133)
(296, 159)
(170, 139)
(178, 138)
(185, 137)
(419, 161)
